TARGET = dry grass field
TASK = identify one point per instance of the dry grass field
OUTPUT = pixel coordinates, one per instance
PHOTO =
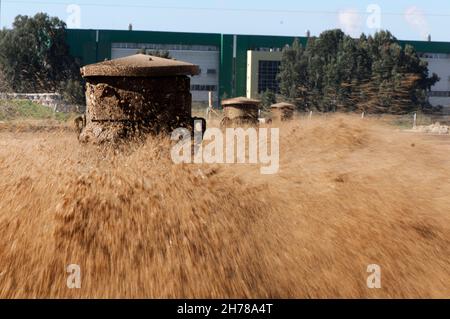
(349, 193)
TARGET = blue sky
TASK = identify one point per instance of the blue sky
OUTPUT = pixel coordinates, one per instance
(412, 20)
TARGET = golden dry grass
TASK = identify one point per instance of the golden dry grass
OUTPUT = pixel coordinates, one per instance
(349, 193)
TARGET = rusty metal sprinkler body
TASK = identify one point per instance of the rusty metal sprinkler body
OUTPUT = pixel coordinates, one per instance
(136, 95)
(240, 110)
(282, 111)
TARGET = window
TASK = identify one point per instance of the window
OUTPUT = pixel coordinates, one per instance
(203, 87)
(439, 94)
(211, 71)
(267, 79)
(434, 55)
(262, 49)
(156, 46)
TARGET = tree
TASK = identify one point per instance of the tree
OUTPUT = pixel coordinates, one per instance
(399, 79)
(34, 56)
(326, 70)
(372, 74)
(292, 75)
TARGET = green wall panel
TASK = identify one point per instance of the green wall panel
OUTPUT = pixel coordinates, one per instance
(226, 66)
(82, 45)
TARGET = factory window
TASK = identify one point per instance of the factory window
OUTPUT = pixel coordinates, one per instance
(434, 55)
(268, 49)
(439, 93)
(203, 87)
(156, 46)
(267, 79)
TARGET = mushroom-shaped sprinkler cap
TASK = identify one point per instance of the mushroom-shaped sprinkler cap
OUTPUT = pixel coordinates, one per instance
(140, 65)
(240, 101)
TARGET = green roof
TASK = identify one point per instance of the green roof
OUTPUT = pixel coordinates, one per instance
(428, 46)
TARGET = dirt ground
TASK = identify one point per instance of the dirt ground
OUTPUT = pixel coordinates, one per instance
(349, 193)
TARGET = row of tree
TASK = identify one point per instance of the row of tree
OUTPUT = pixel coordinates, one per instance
(335, 72)
(34, 57)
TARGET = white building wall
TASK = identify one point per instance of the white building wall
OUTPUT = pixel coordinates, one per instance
(440, 64)
(200, 84)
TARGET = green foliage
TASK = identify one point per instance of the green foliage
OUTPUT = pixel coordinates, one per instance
(161, 53)
(292, 75)
(158, 53)
(337, 73)
(25, 109)
(4, 85)
(73, 91)
(267, 99)
(34, 57)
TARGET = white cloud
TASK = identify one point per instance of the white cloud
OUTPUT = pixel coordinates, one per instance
(416, 18)
(350, 21)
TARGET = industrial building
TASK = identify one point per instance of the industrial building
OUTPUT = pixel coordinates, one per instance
(230, 65)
